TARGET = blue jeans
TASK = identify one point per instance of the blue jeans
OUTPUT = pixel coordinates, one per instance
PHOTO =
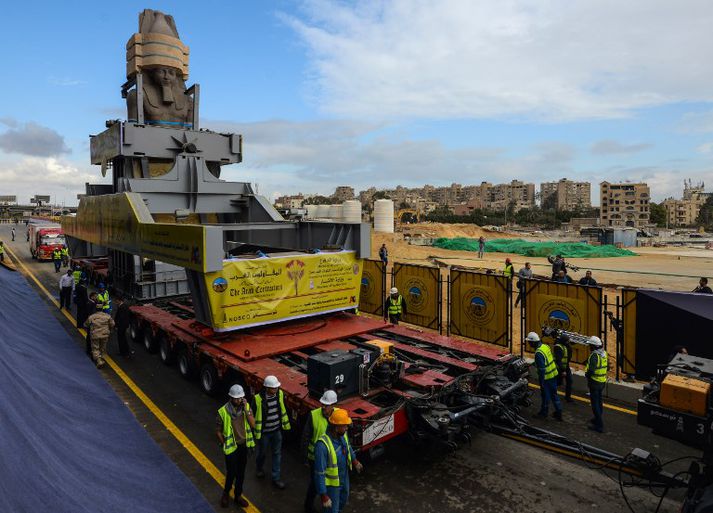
(275, 440)
(595, 397)
(548, 390)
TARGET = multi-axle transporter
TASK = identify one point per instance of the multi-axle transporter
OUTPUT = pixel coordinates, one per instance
(233, 292)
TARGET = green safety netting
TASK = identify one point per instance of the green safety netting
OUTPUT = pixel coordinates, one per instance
(534, 249)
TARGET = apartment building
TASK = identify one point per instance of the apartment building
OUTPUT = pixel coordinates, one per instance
(566, 195)
(624, 204)
(684, 211)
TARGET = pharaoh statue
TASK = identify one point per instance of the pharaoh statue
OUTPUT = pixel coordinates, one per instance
(157, 53)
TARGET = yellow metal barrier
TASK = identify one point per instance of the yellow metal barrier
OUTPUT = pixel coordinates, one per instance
(373, 287)
(569, 307)
(420, 286)
(479, 306)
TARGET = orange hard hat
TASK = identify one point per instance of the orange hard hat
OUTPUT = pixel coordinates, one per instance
(340, 417)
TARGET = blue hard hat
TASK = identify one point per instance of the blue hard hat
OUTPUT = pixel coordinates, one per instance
(102, 286)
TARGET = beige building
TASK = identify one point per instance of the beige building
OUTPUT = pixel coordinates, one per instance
(684, 212)
(516, 193)
(296, 201)
(566, 195)
(624, 204)
(343, 193)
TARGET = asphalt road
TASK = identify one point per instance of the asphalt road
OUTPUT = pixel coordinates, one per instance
(492, 474)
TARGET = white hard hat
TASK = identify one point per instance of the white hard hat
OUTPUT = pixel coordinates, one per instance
(532, 337)
(236, 392)
(328, 398)
(394, 290)
(595, 342)
(271, 382)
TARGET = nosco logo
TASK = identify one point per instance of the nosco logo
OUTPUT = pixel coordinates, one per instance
(417, 292)
(220, 284)
(479, 306)
(560, 314)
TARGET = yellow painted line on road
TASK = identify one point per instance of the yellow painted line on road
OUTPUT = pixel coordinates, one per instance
(192, 449)
(586, 400)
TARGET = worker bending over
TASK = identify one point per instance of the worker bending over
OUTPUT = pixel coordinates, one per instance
(333, 458)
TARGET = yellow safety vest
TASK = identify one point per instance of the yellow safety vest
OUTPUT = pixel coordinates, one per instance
(2, 250)
(331, 473)
(550, 367)
(509, 270)
(229, 445)
(599, 372)
(56, 255)
(395, 308)
(65, 252)
(565, 356)
(319, 427)
(77, 275)
(284, 419)
(104, 299)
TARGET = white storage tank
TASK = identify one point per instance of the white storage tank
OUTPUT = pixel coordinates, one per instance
(384, 216)
(311, 211)
(335, 213)
(322, 211)
(351, 211)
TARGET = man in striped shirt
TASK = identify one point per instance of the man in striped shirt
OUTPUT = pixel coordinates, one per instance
(270, 420)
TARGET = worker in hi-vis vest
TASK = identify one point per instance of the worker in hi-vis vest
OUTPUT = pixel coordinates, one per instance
(234, 425)
(596, 373)
(315, 426)
(333, 459)
(547, 374)
(394, 306)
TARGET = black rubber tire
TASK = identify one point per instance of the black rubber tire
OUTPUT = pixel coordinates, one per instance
(150, 342)
(210, 382)
(166, 352)
(185, 364)
(135, 331)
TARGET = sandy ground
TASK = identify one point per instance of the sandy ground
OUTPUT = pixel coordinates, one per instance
(660, 268)
(676, 268)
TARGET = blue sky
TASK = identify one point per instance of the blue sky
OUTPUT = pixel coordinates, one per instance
(381, 93)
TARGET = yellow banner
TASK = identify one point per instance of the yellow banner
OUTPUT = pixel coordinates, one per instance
(121, 222)
(265, 290)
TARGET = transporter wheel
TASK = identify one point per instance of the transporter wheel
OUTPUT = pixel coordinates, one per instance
(185, 364)
(135, 330)
(166, 352)
(150, 342)
(210, 382)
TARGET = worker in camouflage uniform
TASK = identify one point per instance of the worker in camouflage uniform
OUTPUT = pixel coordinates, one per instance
(99, 326)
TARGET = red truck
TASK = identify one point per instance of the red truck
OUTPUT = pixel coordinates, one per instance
(44, 239)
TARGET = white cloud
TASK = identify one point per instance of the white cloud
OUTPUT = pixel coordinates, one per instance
(696, 122)
(705, 148)
(538, 59)
(611, 147)
(58, 178)
(316, 156)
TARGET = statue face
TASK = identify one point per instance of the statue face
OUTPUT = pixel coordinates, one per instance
(164, 76)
